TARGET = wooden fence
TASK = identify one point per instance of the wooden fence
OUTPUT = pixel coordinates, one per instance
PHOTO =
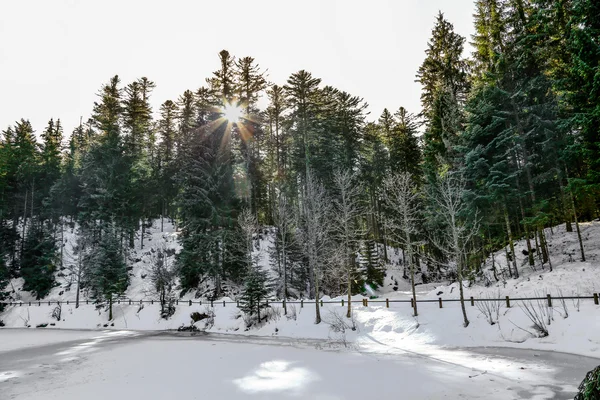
(365, 302)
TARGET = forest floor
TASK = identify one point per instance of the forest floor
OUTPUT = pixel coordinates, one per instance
(161, 365)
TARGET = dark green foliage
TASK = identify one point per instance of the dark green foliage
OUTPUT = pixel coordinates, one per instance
(254, 294)
(38, 260)
(106, 271)
(590, 386)
(371, 266)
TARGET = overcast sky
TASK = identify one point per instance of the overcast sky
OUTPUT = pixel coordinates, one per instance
(55, 54)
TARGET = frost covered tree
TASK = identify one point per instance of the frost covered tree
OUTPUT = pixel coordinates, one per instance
(106, 272)
(316, 235)
(348, 210)
(284, 221)
(163, 274)
(256, 286)
(401, 197)
(460, 228)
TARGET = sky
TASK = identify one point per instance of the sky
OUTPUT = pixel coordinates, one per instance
(55, 55)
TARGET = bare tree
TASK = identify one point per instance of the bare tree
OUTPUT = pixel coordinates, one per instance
(455, 240)
(162, 275)
(248, 230)
(284, 220)
(401, 196)
(347, 231)
(316, 235)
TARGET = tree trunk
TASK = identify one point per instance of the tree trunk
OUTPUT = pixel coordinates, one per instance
(142, 235)
(110, 308)
(510, 241)
(79, 267)
(284, 280)
(412, 284)
(545, 248)
(349, 312)
(462, 296)
(577, 226)
(317, 309)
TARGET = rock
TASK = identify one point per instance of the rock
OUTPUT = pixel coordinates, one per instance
(438, 293)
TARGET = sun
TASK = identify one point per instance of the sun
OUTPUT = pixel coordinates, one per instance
(232, 113)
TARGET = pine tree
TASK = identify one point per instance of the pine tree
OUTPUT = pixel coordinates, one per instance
(39, 260)
(443, 76)
(167, 131)
(250, 82)
(255, 292)
(404, 146)
(106, 272)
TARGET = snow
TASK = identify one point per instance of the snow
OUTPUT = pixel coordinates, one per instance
(15, 339)
(572, 330)
(171, 368)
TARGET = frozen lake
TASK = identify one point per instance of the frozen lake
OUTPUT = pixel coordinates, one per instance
(70, 365)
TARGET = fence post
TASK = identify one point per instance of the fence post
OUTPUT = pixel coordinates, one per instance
(302, 303)
(596, 298)
(152, 301)
(440, 301)
(321, 303)
(412, 302)
(211, 303)
(283, 304)
(342, 302)
(366, 302)
(549, 300)
(39, 303)
(387, 303)
(29, 303)
(472, 301)
(237, 303)
(129, 301)
(190, 303)
(507, 302)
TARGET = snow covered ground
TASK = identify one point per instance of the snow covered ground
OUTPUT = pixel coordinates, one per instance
(572, 328)
(122, 364)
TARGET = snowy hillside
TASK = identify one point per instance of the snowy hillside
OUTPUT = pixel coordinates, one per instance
(572, 324)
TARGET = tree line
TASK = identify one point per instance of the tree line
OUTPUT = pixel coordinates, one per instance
(506, 144)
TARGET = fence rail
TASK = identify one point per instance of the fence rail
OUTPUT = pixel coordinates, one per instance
(365, 301)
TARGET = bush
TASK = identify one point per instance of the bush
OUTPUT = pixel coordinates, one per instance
(589, 389)
(2, 323)
(196, 316)
(207, 315)
(57, 312)
(490, 309)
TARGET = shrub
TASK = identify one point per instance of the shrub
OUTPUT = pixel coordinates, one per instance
(589, 389)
